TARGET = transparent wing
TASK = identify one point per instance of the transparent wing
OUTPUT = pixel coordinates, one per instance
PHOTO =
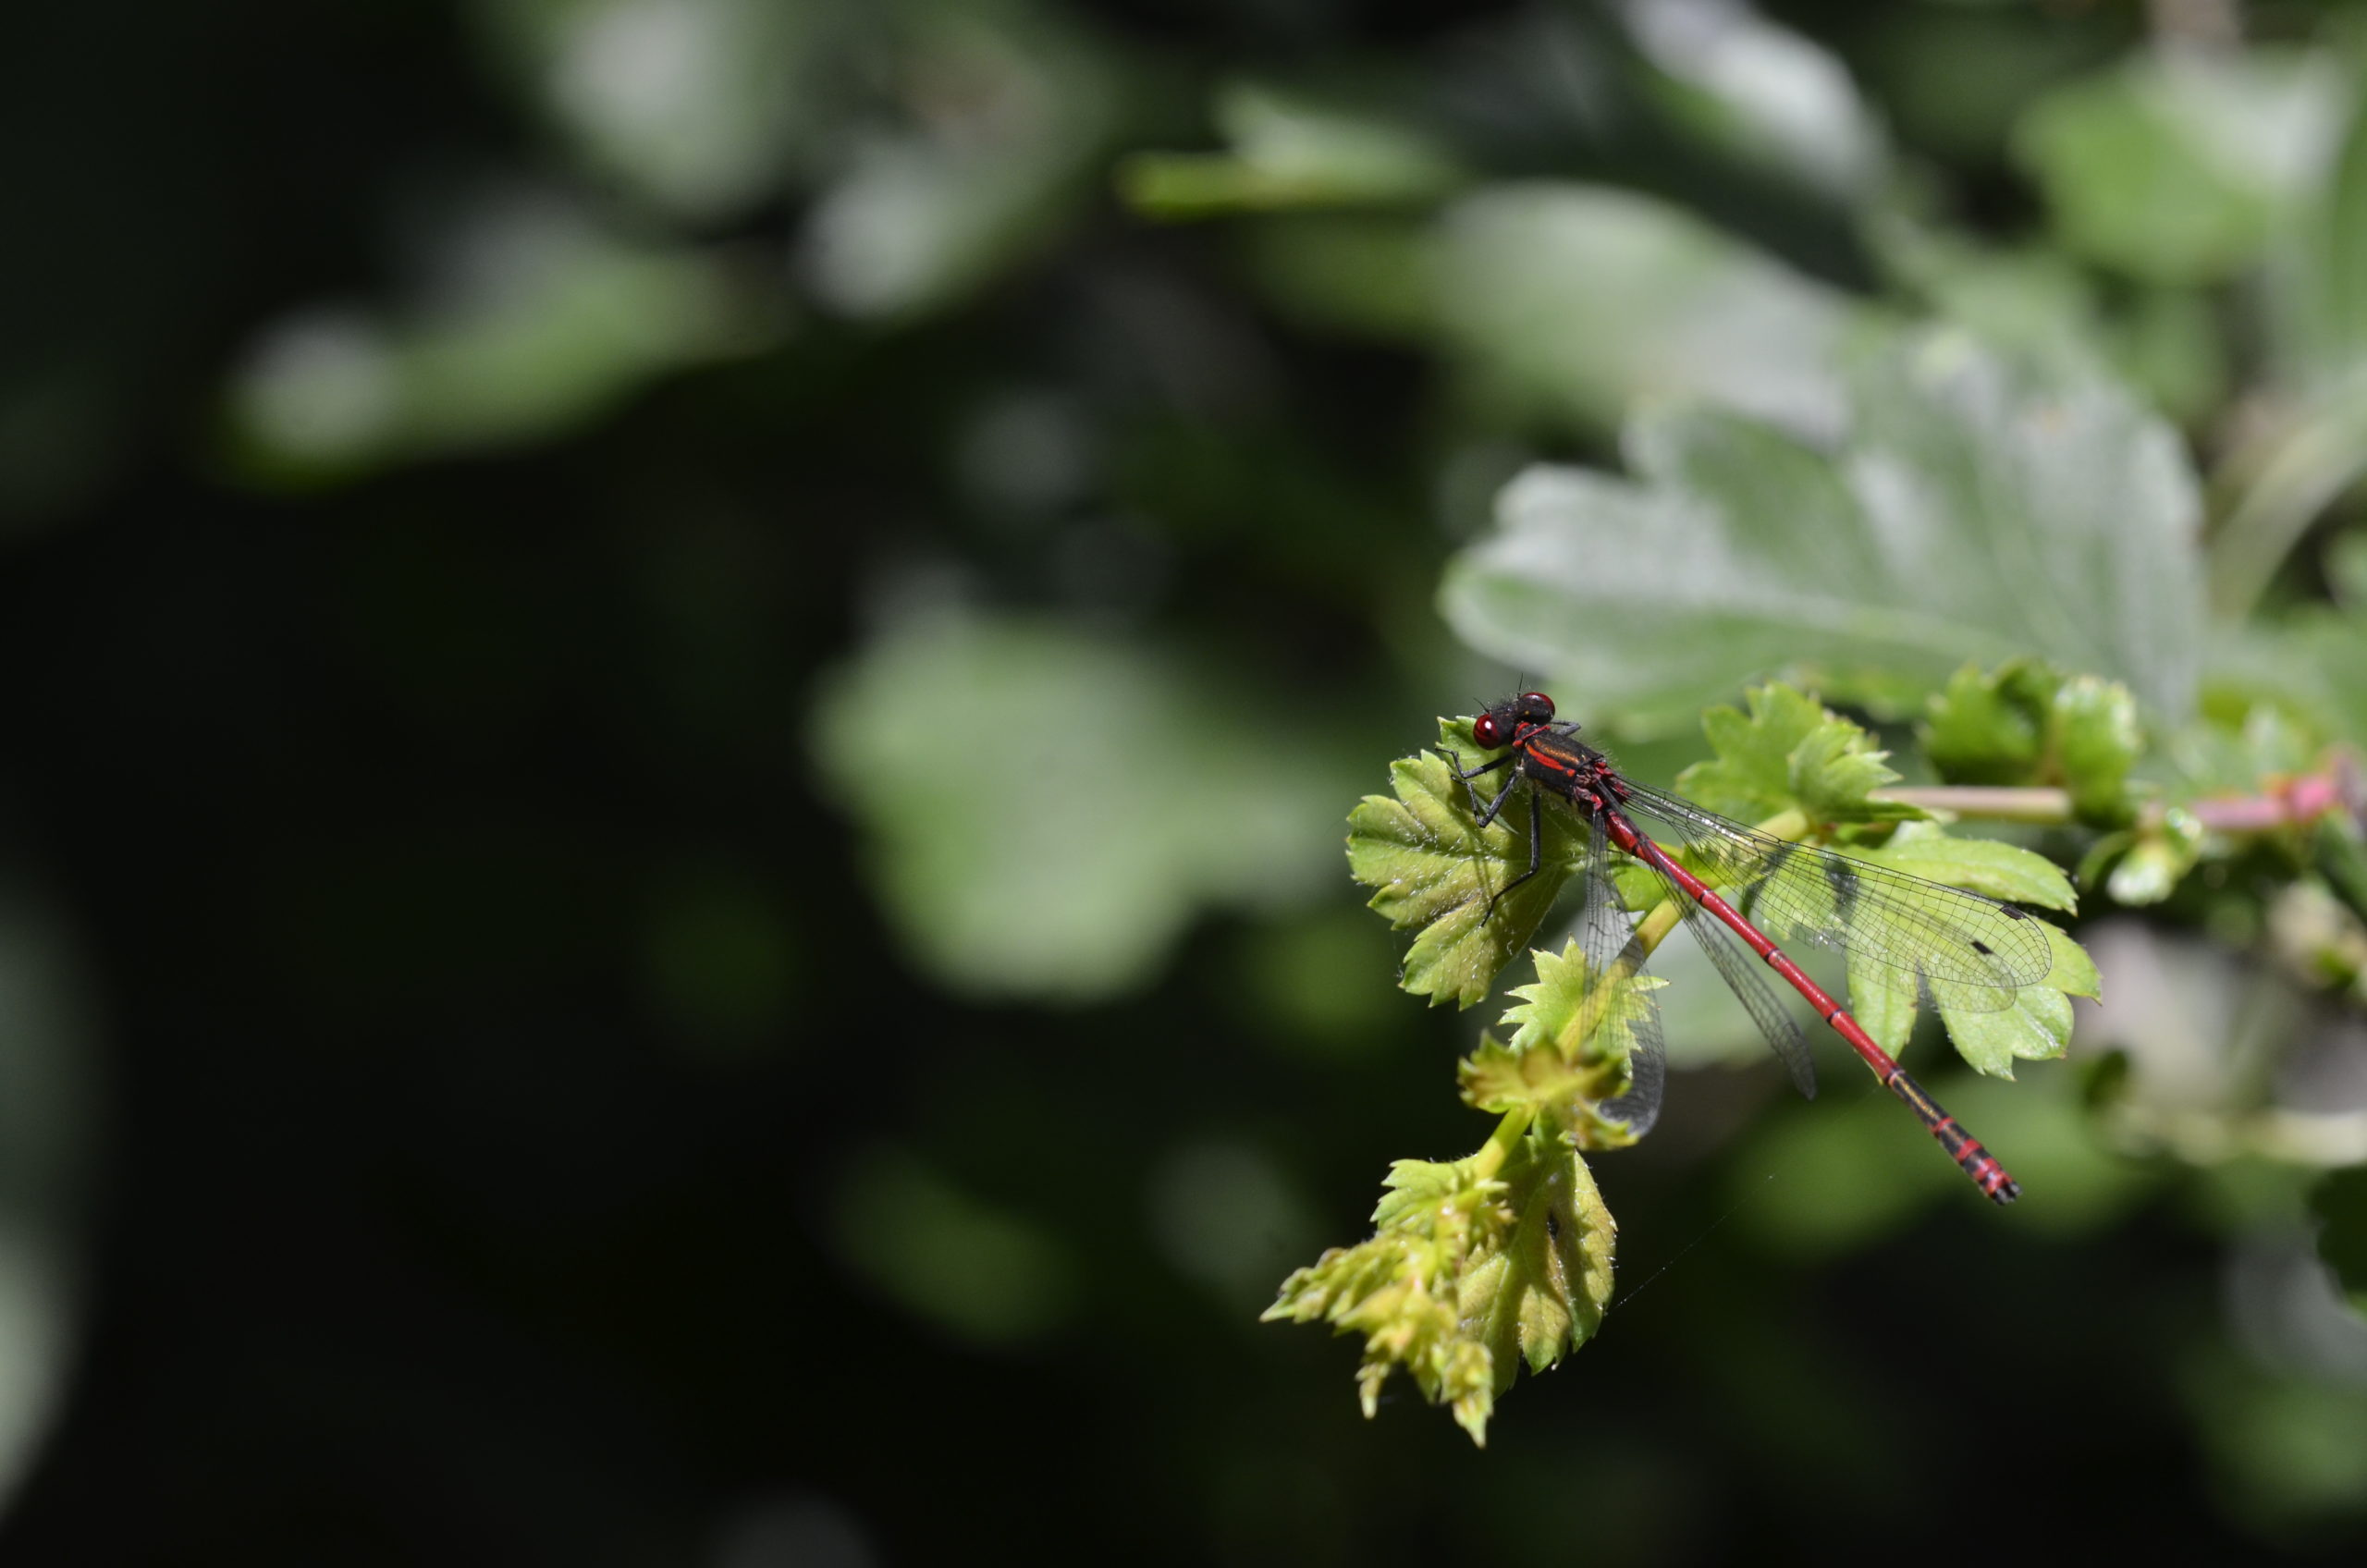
(1973, 952)
(1606, 934)
(1747, 978)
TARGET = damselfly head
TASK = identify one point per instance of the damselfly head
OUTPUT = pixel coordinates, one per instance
(1502, 721)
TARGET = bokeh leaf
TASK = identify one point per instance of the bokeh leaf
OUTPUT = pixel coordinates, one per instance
(1762, 93)
(1565, 304)
(922, 211)
(549, 323)
(700, 106)
(1045, 811)
(1289, 151)
(2177, 166)
(1971, 513)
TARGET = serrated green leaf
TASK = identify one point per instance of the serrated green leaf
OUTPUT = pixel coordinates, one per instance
(2024, 724)
(1789, 753)
(1833, 771)
(2095, 740)
(1989, 727)
(1582, 1016)
(1435, 867)
(1465, 1276)
(1542, 1290)
(1399, 1288)
(1976, 510)
(1884, 1007)
(1577, 1034)
(1496, 1078)
(1978, 865)
(1751, 775)
(2036, 1027)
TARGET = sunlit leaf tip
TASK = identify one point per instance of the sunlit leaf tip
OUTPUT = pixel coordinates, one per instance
(1467, 1277)
(1789, 752)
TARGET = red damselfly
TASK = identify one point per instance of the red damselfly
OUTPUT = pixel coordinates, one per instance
(1957, 948)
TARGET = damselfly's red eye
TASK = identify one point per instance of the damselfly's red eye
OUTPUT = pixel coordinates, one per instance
(1486, 732)
(1536, 705)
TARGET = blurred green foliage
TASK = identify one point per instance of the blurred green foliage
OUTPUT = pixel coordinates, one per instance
(786, 597)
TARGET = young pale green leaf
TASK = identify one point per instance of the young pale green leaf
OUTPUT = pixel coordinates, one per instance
(1465, 1276)
(1582, 1016)
(1976, 510)
(2038, 1025)
(1401, 1288)
(1497, 1078)
(1789, 753)
(1435, 867)
(1539, 1291)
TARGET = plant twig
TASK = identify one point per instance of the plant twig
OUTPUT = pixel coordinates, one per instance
(2041, 806)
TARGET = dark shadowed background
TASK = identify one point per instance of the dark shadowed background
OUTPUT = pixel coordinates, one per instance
(684, 677)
